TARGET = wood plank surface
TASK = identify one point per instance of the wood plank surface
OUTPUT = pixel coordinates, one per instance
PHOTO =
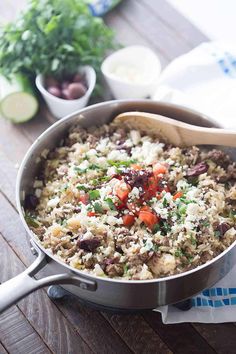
(39, 325)
(36, 317)
(219, 336)
(137, 334)
(179, 336)
(160, 36)
(181, 26)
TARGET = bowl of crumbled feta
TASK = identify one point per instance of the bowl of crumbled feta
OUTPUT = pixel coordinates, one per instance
(124, 219)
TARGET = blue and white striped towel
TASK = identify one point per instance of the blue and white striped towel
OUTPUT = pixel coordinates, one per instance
(214, 305)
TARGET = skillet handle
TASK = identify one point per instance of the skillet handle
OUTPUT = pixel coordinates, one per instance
(23, 284)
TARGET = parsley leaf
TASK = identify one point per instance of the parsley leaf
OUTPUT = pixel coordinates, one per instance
(100, 180)
(121, 163)
(179, 253)
(79, 170)
(98, 208)
(94, 167)
(54, 37)
(82, 188)
(205, 223)
(110, 203)
(94, 194)
(156, 228)
(31, 221)
(164, 202)
(217, 233)
(126, 268)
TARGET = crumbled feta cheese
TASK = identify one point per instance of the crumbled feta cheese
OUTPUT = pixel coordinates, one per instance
(145, 273)
(98, 270)
(44, 153)
(107, 251)
(111, 171)
(117, 155)
(182, 185)
(84, 165)
(38, 192)
(91, 152)
(111, 220)
(134, 193)
(87, 256)
(148, 152)
(37, 183)
(52, 203)
(103, 145)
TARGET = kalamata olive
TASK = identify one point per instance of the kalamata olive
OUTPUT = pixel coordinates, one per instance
(76, 90)
(65, 84)
(197, 170)
(51, 81)
(31, 201)
(55, 91)
(66, 94)
(89, 244)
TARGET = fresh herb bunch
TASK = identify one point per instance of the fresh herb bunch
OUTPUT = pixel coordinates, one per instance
(54, 37)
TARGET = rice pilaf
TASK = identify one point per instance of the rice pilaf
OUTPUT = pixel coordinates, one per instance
(118, 203)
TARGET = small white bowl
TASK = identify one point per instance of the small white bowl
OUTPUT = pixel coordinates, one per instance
(60, 107)
(132, 72)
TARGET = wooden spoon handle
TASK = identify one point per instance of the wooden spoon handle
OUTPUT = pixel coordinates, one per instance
(193, 135)
(177, 133)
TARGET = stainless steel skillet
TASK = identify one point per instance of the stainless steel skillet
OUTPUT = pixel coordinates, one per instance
(113, 293)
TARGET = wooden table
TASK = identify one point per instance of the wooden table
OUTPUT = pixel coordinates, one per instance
(39, 325)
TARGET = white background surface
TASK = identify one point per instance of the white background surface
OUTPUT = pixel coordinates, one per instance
(215, 18)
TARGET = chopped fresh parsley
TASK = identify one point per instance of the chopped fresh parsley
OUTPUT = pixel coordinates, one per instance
(166, 227)
(98, 208)
(156, 228)
(205, 223)
(165, 202)
(110, 203)
(179, 253)
(94, 194)
(82, 188)
(193, 181)
(99, 180)
(155, 248)
(94, 167)
(121, 163)
(84, 170)
(217, 233)
(193, 240)
(232, 214)
(189, 258)
(185, 201)
(126, 268)
(182, 209)
(31, 221)
(79, 170)
(62, 222)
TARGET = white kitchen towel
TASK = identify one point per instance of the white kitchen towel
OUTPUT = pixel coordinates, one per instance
(205, 79)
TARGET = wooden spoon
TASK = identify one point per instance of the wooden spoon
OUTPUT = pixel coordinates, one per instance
(175, 132)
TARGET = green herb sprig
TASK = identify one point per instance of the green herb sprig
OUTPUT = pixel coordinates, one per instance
(54, 37)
